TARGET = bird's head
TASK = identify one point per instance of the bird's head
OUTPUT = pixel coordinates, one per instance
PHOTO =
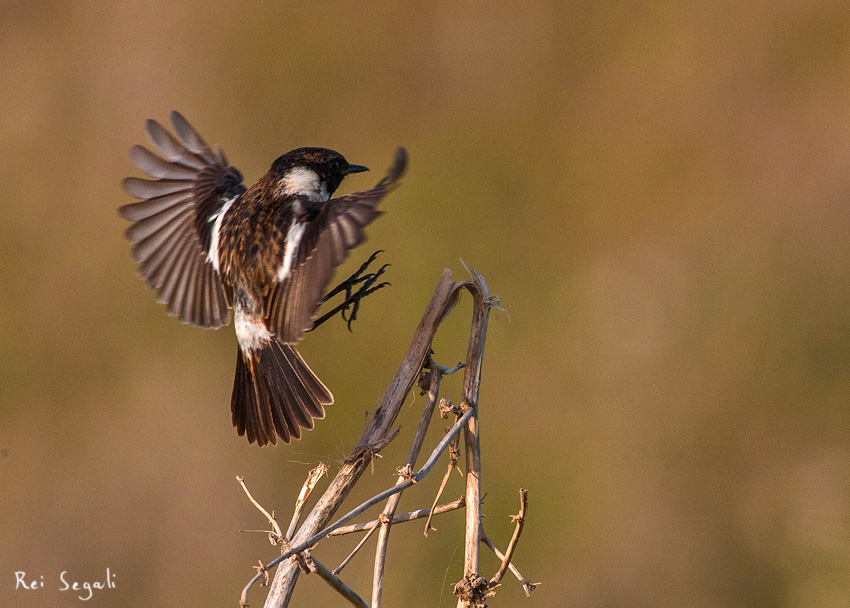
(311, 172)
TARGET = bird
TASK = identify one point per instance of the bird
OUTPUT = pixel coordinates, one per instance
(208, 245)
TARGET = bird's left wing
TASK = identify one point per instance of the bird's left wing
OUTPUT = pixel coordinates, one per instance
(175, 223)
(293, 302)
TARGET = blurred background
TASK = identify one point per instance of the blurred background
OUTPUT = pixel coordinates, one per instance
(659, 192)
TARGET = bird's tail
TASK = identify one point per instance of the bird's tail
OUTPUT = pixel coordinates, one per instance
(275, 394)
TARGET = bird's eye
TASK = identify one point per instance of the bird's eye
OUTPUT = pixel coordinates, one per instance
(336, 165)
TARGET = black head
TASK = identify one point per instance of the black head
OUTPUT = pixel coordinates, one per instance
(314, 172)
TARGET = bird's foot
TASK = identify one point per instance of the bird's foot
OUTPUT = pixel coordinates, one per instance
(365, 284)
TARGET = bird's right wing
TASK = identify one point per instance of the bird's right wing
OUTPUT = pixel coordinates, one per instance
(174, 225)
(293, 303)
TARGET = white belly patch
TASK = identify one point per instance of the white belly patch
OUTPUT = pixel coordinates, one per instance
(251, 332)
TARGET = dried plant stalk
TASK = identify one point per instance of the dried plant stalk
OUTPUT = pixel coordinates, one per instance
(379, 432)
(392, 503)
(373, 439)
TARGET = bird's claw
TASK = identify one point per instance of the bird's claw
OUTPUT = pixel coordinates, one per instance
(365, 284)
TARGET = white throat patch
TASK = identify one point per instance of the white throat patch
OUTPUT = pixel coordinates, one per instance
(304, 182)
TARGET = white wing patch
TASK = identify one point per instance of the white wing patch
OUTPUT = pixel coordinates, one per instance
(293, 238)
(212, 254)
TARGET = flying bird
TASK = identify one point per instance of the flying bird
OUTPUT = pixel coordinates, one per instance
(208, 244)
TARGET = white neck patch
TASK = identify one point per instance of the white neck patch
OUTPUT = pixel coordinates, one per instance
(304, 182)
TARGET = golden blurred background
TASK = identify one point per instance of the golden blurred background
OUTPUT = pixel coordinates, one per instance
(658, 191)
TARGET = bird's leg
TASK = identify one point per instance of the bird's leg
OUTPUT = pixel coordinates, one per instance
(365, 284)
(354, 279)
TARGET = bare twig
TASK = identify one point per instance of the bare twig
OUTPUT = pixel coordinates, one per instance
(312, 479)
(372, 528)
(460, 503)
(426, 468)
(433, 510)
(527, 586)
(263, 531)
(392, 503)
(519, 518)
(449, 371)
(269, 516)
(453, 456)
(333, 580)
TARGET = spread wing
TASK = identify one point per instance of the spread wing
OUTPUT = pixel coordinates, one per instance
(293, 302)
(173, 224)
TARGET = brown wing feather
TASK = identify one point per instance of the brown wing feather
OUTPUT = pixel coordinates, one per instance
(171, 231)
(292, 305)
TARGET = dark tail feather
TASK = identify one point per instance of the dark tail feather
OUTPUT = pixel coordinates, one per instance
(275, 394)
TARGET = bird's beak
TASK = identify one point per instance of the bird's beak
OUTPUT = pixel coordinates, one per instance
(356, 169)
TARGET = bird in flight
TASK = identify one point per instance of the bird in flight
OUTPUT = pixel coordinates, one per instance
(207, 244)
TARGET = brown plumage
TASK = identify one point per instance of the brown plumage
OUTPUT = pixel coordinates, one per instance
(208, 244)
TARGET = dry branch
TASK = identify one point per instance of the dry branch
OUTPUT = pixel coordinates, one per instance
(482, 301)
(453, 456)
(519, 518)
(367, 536)
(333, 580)
(389, 510)
(460, 503)
(276, 536)
(373, 438)
(310, 542)
(527, 585)
(380, 430)
(313, 478)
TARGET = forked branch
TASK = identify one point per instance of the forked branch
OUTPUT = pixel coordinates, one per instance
(299, 541)
(509, 553)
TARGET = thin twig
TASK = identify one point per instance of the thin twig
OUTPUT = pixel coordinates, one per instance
(269, 516)
(449, 371)
(333, 580)
(389, 509)
(359, 545)
(453, 456)
(313, 478)
(527, 586)
(519, 518)
(426, 468)
(433, 510)
(460, 503)
(263, 531)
